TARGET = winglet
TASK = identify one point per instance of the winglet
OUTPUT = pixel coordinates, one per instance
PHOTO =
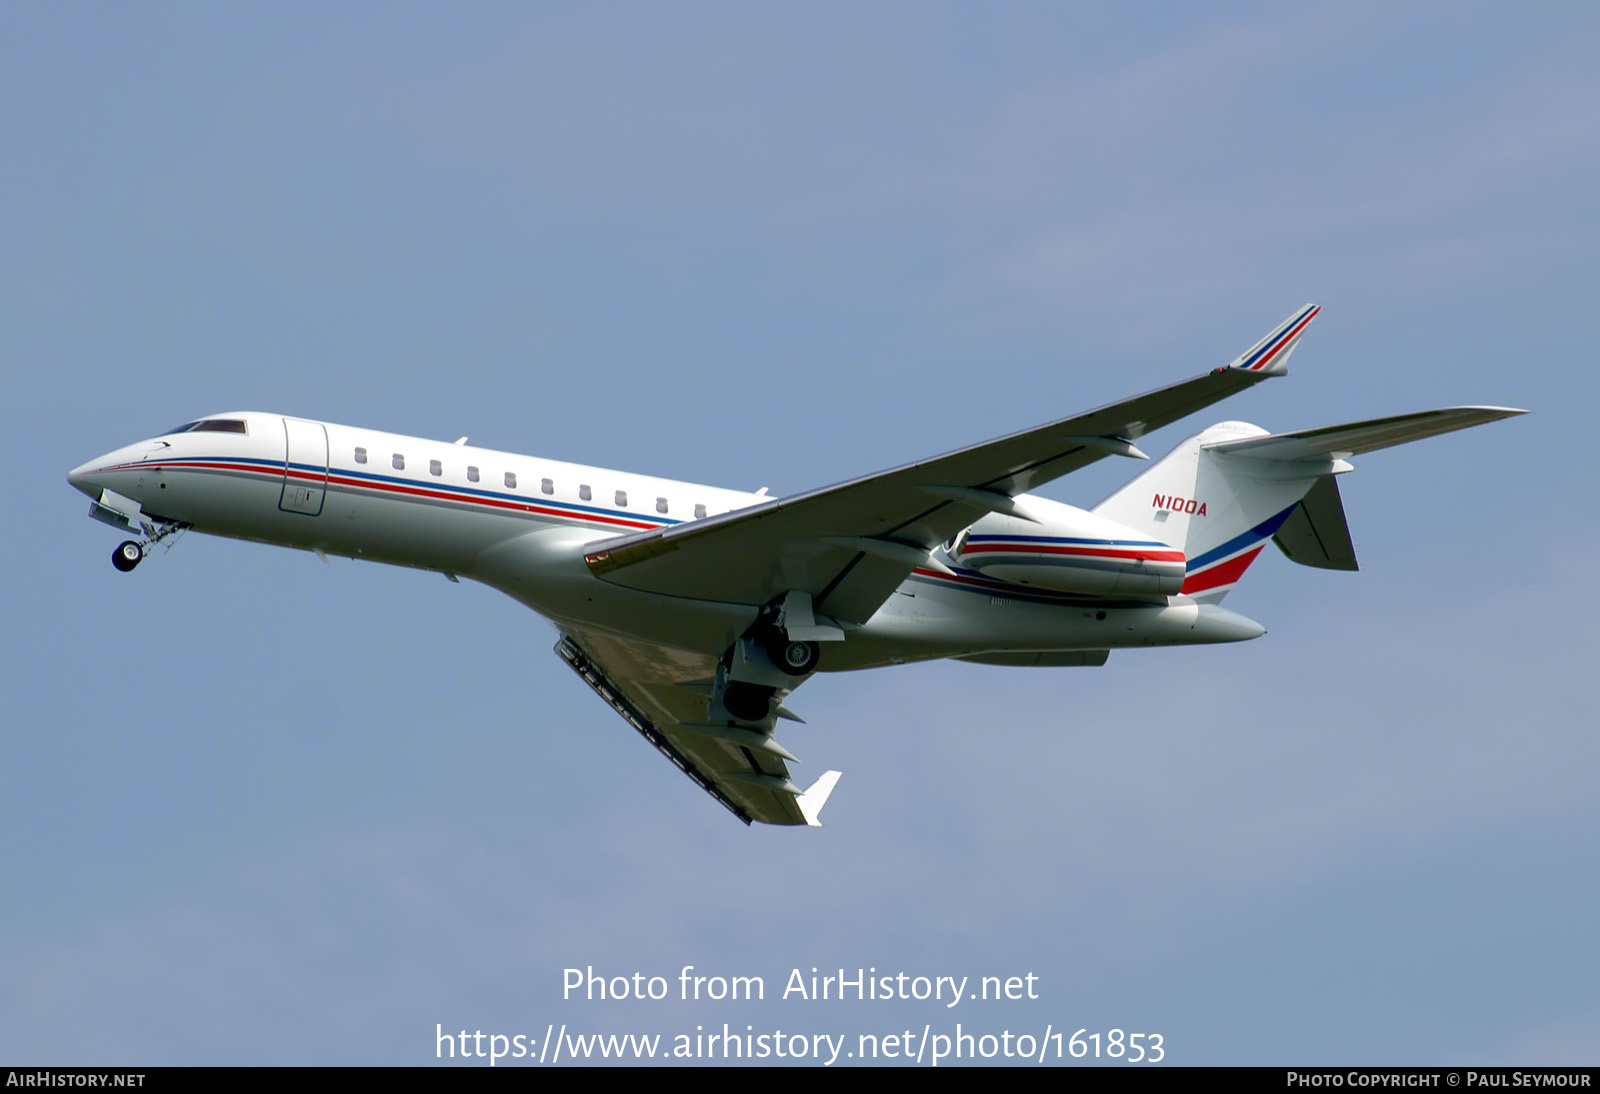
(816, 796)
(1270, 356)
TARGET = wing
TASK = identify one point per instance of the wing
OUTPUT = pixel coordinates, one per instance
(664, 694)
(850, 545)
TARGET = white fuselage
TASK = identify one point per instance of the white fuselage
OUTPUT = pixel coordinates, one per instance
(521, 524)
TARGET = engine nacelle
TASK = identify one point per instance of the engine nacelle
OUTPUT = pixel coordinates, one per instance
(1069, 550)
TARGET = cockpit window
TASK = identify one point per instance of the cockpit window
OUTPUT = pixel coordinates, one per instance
(210, 425)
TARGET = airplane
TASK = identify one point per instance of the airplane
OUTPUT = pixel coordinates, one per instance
(695, 611)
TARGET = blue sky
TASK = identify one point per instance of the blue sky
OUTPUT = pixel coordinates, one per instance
(261, 810)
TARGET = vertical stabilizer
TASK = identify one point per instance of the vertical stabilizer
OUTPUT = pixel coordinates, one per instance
(1218, 511)
(1222, 494)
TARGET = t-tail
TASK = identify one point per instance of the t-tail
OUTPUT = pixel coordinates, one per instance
(1222, 494)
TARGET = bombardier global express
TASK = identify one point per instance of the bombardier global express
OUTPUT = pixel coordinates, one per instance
(695, 611)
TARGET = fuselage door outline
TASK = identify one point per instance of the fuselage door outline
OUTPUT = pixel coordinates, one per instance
(305, 467)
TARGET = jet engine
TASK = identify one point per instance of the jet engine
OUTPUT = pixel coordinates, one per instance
(1068, 550)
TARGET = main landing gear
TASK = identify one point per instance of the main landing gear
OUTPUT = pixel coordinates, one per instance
(758, 667)
(794, 658)
(748, 702)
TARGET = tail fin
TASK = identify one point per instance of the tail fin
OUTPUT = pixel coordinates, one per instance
(1222, 494)
(1217, 512)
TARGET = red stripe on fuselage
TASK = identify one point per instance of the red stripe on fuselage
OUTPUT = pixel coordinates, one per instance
(1223, 573)
(396, 488)
(496, 503)
(961, 579)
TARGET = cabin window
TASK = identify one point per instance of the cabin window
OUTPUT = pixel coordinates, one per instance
(622, 498)
(399, 462)
(435, 467)
(361, 455)
(472, 474)
(661, 505)
(584, 492)
(511, 479)
(699, 511)
(546, 486)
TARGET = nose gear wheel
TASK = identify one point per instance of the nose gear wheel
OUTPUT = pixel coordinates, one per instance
(130, 553)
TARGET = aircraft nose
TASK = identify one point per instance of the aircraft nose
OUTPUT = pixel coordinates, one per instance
(83, 477)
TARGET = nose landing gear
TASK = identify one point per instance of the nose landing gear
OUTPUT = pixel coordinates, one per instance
(127, 555)
(131, 552)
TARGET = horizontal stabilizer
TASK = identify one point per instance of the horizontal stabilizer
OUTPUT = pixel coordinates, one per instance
(1316, 533)
(1339, 442)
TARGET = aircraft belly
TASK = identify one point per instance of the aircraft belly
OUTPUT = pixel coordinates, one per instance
(544, 569)
(433, 535)
(924, 622)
